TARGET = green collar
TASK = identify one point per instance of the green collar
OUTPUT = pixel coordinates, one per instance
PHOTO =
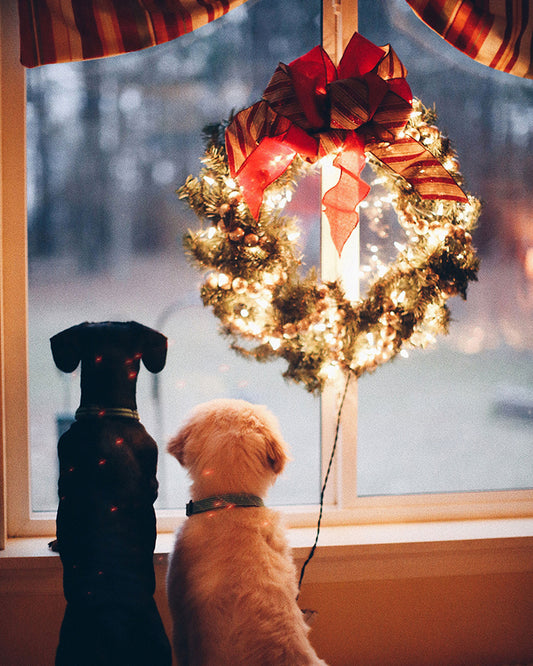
(99, 412)
(227, 501)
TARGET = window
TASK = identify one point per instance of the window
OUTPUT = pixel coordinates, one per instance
(143, 114)
(459, 417)
(376, 499)
(109, 141)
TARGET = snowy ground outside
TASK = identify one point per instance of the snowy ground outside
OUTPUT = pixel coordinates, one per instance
(432, 422)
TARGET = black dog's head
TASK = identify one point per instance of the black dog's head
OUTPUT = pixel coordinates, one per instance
(110, 355)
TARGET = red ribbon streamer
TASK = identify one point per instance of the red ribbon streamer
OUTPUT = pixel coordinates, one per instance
(312, 109)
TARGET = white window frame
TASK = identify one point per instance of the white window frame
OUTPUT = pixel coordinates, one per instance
(342, 505)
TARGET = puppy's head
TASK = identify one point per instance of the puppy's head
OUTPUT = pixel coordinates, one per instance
(230, 446)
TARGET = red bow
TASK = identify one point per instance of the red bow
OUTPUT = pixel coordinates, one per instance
(312, 109)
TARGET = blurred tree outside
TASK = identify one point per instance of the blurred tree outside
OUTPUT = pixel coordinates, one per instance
(110, 140)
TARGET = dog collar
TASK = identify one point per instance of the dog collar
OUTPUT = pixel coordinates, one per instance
(223, 502)
(100, 412)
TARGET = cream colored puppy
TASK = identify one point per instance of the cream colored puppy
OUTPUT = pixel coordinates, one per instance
(231, 580)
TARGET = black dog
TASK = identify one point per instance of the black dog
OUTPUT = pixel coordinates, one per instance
(106, 526)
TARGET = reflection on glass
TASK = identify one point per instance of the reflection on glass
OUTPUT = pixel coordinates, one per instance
(109, 141)
(459, 417)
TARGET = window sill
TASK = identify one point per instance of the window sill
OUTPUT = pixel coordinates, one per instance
(349, 553)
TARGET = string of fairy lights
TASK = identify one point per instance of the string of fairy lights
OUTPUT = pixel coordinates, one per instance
(269, 309)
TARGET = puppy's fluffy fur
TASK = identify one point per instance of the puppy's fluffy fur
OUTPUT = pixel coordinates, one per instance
(231, 580)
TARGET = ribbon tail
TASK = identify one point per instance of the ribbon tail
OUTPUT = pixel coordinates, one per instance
(260, 145)
(262, 167)
(341, 201)
(411, 160)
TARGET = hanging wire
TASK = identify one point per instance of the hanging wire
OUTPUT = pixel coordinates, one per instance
(322, 493)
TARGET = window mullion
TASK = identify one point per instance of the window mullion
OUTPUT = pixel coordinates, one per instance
(339, 21)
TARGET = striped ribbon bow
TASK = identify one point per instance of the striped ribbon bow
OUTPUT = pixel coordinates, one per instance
(312, 109)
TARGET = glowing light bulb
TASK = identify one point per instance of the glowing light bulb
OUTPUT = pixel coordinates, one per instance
(223, 281)
(269, 279)
(255, 328)
(275, 343)
(448, 164)
(441, 234)
(329, 370)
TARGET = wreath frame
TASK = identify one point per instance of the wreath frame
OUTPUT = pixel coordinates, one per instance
(268, 310)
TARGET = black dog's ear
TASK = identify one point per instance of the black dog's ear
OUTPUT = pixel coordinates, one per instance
(66, 348)
(154, 349)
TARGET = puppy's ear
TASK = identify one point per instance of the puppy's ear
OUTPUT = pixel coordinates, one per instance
(176, 446)
(154, 348)
(276, 452)
(66, 348)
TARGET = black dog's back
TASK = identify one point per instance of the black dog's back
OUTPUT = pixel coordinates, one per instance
(106, 525)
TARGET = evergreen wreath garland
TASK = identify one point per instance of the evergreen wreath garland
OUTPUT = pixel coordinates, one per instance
(268, 310)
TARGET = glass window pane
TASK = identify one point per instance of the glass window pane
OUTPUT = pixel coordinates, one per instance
(459, 417)
(109, 141)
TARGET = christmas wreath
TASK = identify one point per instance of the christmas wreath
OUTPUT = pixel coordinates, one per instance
(361, 112)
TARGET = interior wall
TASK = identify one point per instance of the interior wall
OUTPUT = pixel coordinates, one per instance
(463, 620)
(475, 620)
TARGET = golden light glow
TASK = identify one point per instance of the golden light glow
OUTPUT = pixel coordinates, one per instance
(269, 309)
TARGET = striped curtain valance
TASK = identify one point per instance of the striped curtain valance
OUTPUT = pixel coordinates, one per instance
(68, 30)
(497, 33)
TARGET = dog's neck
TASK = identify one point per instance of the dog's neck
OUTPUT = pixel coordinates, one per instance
(93, 411)
(225, 501)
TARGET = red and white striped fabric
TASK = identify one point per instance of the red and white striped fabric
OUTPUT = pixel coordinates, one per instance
(69, 30)
(497, 33)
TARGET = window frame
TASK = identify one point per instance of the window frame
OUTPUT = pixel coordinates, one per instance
(342, 505)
